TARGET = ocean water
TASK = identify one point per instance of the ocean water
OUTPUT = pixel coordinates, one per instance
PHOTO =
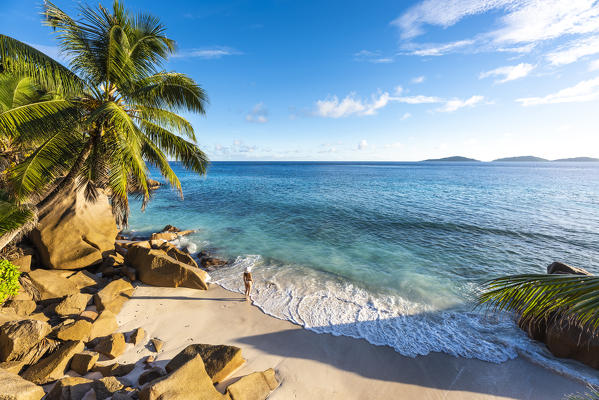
(393, 253)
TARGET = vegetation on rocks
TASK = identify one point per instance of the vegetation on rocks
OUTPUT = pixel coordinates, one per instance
(9, 280)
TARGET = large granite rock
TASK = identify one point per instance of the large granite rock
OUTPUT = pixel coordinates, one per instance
(18, 337)
(13, 387)
(22, 308)
(55, 365)
(219, 360)
(113, 296)
(565, 269)
(105, 387)
(52, 284)
(73, 233)
(73, 330)
(70, 388)
(114, 369)
(104, 325)
(168, 236)
(189, 382)
(23, 262)
(173, 251)
(562, 338)
(84, 361)
(255, 386)
(72, 304)
(111, 346)
(570, 341)
(155, 267)
(83, 280)
(137, 336)
(150, 375)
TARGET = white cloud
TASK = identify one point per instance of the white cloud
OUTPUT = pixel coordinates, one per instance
(441, 13)
(455, 104)
(350, 105)
(594, 65)
(418, 79)
(574, 50)
(419, 99)
(405, 116)
(395, 145)
(375, 57)
(581, 92)
(530, 21)
(207, 53)
(332, 107)
(439, 49)
(237, 148)
(258, 114)
(527, 48)
(363, 144)
(522, 25)
(509, 73)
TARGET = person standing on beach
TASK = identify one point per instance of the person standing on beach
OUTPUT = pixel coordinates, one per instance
(247, 280)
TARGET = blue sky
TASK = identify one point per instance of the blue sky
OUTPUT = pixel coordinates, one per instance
(379, 80)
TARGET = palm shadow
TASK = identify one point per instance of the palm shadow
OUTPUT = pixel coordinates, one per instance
(517, 379)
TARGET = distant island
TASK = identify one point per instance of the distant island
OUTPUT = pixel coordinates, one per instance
(521, 158)
(579, 159)
(453, 158)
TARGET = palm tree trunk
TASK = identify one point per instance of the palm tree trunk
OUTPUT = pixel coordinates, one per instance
(8, 237)
(67, 182)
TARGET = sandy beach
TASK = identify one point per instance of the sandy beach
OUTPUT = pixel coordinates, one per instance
(320, 366)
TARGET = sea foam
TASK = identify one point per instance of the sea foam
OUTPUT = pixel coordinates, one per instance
(327, 304)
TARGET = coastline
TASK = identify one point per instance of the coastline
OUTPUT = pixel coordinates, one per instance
(312, 365)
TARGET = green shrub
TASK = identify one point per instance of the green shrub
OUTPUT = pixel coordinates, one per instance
(9, 280)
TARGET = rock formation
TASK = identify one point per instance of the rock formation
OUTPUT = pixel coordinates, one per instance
(73, 233)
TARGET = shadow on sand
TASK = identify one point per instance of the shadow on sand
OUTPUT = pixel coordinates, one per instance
(517, 379)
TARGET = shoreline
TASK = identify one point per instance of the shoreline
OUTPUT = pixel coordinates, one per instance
(315, 365)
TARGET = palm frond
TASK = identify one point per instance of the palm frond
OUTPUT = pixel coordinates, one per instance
(15, 216)
(154, 156)
(169, 90)
(178, 148)
(19, 58)
(31, 122)
(575, 298)
(48, 162)
(165, 119)
(592, 394)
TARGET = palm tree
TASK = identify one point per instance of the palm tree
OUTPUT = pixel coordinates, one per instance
(15, 219)
(113, 111)
(574, 298)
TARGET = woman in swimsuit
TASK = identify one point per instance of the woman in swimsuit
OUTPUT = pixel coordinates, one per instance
(247, 280)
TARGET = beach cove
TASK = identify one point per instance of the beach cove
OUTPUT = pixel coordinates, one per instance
(322, 366)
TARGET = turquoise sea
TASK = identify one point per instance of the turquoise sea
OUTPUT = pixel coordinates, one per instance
(393, 253)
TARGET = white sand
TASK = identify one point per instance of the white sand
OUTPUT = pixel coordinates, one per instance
(315, 366)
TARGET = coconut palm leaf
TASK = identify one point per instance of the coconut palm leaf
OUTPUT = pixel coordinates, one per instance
(13, 216)
(574, 297)
(169, 90)
(592, 394)
(48, 162)
(20, 59)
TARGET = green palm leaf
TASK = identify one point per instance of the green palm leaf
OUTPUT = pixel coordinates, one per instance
(48, 162)
(14, 216)
(593, 394)
(19, 58)
(574, 297)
